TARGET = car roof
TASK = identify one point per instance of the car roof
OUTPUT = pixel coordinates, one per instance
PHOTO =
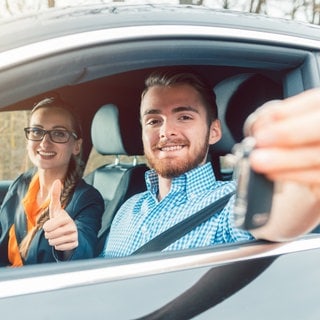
(68, 20)
(63, 30)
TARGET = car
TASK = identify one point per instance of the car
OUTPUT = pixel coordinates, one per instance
(96, 57)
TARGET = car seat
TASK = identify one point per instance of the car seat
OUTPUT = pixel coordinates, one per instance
(115, 181)
(237, 97)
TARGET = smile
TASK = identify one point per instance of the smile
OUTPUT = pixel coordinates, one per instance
(171, 148)
(46, 154)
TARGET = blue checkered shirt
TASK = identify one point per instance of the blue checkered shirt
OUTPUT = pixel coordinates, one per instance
(142, 217)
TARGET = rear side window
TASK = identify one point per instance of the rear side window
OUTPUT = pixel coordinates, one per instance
(13, 156)
(96, 160)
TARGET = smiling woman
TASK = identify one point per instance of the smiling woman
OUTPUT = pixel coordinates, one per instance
(46, 220)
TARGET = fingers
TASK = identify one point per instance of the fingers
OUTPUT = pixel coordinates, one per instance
(287, 123)
(269, 160)
(307, 177)
(61, 233)
(68, 240)
(287, 151)
(60, 229)
(287, 139)
(55, 203)
(63, 240)
(289, 132)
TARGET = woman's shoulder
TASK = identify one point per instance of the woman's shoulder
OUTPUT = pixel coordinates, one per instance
(23, 180)
(84, 187)
(85, 195)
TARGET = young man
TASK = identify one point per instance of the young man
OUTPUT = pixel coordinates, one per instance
(179, 122)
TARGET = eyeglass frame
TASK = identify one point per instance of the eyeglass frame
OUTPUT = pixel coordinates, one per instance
(44, 132)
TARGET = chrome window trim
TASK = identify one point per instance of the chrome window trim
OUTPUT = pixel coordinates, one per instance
(43, 283)
(61, 44)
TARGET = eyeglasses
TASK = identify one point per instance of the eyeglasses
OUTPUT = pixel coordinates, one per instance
(56, 135)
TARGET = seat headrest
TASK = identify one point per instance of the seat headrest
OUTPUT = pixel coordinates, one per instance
(237, 97)
(105, 131)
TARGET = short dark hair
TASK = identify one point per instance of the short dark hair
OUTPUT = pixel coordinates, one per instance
(166, 79)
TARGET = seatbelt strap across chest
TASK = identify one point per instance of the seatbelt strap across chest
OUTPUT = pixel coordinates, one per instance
(164, 239)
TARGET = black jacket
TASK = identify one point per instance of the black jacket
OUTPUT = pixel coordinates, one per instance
(85, 208)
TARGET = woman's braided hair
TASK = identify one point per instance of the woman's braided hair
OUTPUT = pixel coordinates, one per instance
(74, 172)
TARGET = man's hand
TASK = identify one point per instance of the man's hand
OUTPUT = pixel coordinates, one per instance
(287, 151)
(288, 140)
(60, 229)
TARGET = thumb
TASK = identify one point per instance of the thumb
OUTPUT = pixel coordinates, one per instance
(55, 203)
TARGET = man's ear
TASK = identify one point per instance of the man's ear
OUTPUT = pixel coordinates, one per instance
(215, 133)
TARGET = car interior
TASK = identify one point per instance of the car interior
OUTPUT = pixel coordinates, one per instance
(116, 131)
(111, 134)
(104, 83)
(111, 124)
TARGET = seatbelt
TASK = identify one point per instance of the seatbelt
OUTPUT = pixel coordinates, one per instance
(164, 239)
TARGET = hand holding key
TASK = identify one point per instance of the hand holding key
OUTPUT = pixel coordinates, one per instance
(287, 152)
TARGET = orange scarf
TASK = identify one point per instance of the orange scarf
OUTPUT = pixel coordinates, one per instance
(32, 210)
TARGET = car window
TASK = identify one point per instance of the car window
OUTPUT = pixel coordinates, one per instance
(14, 159)
(96, 160)
(13, 156)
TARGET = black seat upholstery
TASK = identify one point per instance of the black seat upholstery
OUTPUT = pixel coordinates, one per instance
(239, 95)
(244, 93)
(116, 181)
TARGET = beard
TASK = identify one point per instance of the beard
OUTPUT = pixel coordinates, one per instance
(173, 167)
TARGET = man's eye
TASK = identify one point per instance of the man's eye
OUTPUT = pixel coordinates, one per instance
(152, 122)
(185, 117)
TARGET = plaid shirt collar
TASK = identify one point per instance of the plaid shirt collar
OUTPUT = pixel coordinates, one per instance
(192, 182)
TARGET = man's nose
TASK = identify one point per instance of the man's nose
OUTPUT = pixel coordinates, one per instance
(167, 129)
